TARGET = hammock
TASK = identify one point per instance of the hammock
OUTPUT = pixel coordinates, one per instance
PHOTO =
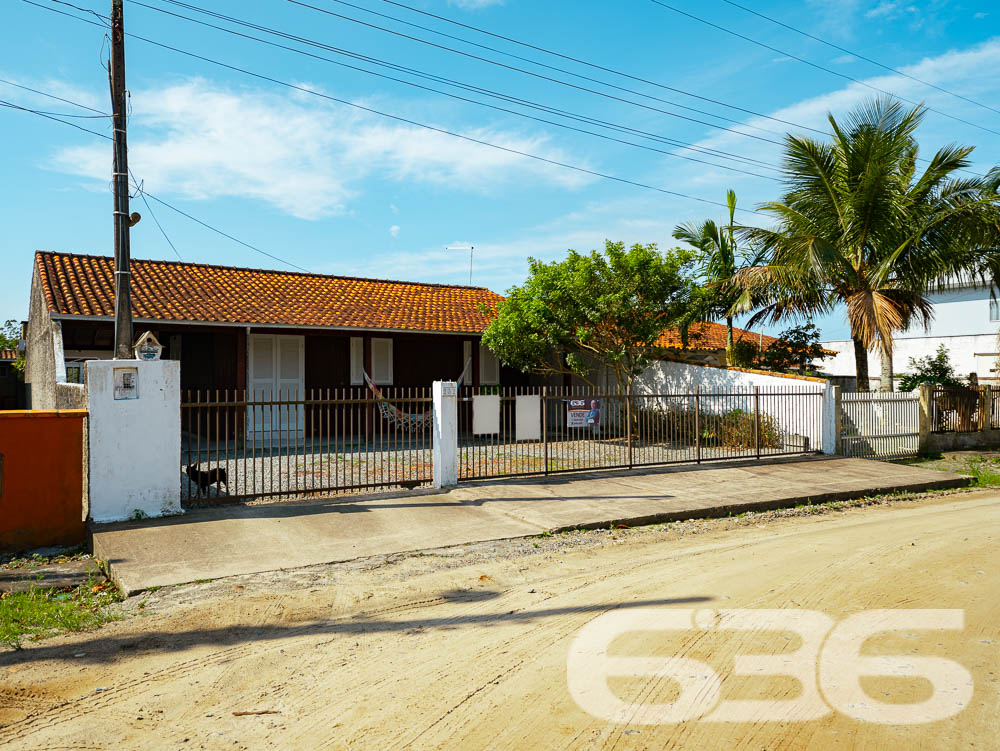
(407, 421)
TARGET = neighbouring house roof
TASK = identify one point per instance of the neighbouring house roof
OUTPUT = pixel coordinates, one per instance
(710, 336)
(82, 285)
(8, 355)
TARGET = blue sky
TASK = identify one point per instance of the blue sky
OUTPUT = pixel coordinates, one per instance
(337, 189)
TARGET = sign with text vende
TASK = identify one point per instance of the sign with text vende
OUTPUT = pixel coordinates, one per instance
(583, 413)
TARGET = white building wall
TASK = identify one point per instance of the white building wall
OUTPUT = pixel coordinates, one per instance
(969, 354)
(134, 444)
(961, 323)
(810, 417)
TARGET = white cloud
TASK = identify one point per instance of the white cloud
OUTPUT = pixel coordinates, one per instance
(393, 208)
(843, 59)
(474, 4)
(960, 71)
(394, 230)
(201, 141)
(888, 10)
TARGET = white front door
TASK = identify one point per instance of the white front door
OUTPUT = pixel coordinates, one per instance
(276, 367)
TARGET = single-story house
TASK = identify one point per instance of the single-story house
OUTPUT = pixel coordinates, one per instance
(241, 328)
(11, 396)
(707, 343)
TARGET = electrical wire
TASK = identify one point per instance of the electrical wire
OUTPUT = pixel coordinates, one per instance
(49, 116)
(509, 67)
(408, 121)
(816, 65)
(858, 55)
(570, 58)
(573, 73)
(504, 97)
(53, 96)
(142, 194)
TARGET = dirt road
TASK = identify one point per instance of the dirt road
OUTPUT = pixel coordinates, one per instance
(467, 648)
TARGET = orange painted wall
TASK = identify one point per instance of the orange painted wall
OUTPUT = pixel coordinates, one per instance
(41, 480)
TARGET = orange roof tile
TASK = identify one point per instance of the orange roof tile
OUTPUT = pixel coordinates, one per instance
(83, 285)
(710, 336)
(8, 354)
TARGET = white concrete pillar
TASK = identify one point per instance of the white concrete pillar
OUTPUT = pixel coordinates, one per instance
(445, 397)
(831, 419)
(134, 438)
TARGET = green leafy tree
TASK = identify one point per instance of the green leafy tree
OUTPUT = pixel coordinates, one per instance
(719, 258)
(795, 349)
(934, 369)
(10, 338)
(606, 308)
(859, 226)
(10, 334)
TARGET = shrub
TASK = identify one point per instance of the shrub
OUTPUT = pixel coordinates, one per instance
(933, 369)
(733, 429)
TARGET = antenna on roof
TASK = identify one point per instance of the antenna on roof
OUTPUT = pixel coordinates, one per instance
(469, 248)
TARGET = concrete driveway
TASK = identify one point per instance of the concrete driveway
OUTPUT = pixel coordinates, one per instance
(210, 543)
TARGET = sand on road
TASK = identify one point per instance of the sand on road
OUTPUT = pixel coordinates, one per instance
(459, 650)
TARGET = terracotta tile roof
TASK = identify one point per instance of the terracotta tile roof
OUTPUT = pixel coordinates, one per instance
(710, 336)
(172, 291)
(8, 354)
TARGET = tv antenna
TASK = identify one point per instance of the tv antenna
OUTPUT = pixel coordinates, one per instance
(469, 248)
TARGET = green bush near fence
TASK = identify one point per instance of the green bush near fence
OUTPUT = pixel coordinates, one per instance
(733, 429)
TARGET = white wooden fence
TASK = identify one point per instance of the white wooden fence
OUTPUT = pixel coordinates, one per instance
(879, 424)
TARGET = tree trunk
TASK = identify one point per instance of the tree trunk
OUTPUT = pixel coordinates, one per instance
(861, 364)
(885, 383)
(729, 334)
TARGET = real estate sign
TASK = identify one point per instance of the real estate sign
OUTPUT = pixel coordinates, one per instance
(583, 413)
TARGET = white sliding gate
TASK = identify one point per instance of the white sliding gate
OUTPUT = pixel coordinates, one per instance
(879, 424)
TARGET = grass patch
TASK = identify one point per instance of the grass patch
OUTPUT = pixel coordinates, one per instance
(984, 468)
(41, 612)
(35, 560)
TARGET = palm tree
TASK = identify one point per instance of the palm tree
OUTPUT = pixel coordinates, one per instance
(720, 258)
(859, 227)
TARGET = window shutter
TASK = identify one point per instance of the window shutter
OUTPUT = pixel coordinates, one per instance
(489, 367)
(382, 361)
(357, 360)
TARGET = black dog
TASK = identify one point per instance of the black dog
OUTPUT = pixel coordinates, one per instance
(206, 477)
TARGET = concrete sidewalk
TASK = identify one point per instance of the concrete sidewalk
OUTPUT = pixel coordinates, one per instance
(228, 540)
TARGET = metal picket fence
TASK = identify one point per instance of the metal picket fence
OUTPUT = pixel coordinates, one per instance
(581, 428)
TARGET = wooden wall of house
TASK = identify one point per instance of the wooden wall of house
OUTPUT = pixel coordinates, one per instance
(327, 361)
(208, 360)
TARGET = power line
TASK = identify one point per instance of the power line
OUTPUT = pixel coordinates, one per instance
(577, 60)
(531, 73)
(860, 56)
(53, 96)
(144, 193)
(469, 87)
(49, 116)
(814, 65)
(398, 118)
(218, 231)
(600, 67)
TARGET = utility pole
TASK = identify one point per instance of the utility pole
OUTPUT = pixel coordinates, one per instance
(123, 222)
